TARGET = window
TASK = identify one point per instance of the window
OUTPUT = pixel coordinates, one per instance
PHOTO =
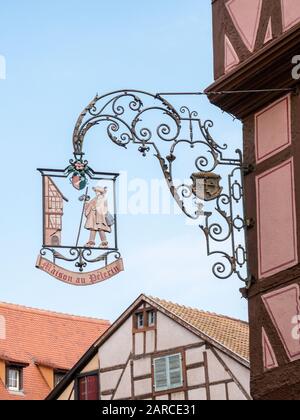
(168, 373)
(144, 318)
(88, 388)
(14, 378)
(55, 203)
(58, 376)
(151, 319)
(140, 320)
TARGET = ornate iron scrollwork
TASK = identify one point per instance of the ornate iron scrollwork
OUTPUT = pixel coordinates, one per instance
(81, 256)
(145, 119)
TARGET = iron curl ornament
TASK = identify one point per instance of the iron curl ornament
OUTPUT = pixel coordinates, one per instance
(146, 120)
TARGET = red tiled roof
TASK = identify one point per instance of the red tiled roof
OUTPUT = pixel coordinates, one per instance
(34, 336)
(229, 332)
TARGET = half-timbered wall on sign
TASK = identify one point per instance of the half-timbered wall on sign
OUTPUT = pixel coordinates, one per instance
(53, 212)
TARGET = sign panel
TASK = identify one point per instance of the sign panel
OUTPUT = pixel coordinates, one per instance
(80, 279)
(79, 224)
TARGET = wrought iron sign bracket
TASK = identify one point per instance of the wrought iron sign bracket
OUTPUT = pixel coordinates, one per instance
(146, 120)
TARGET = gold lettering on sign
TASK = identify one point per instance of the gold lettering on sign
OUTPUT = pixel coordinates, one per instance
(85, 279)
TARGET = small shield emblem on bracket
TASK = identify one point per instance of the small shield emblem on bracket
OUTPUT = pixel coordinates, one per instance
(206, 186)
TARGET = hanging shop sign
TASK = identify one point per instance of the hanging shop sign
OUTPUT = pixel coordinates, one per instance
(79, 224)
(214, 196)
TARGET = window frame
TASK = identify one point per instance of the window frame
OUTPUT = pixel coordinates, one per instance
(56, 373)
(18, 368)
(86, 375)
(55, 203)
(153, 323)
(138, 316)
(146, 326)
(168, 388)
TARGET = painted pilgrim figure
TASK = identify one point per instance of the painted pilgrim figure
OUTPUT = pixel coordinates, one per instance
(96, 212)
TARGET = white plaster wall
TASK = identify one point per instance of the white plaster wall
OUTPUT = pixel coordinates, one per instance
(196, 376)
(139, 343)
(218, 392)
(241, 372)
(143, 387)
(162, 398)
(198, 394)
(195, 356)
(124, 388)
(109, 380)
(142, 367)
(150, 341)
(216, 371)
(110, 352)
(180, 336)
(235, 394)
(178, 396)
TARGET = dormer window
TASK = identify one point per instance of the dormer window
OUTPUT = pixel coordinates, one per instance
(59, 376)
(14, 378)
(140, 320)
(144, 319)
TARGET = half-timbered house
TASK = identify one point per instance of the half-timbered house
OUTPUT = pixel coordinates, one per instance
(257, 73)
(158, 350)
(53, 212)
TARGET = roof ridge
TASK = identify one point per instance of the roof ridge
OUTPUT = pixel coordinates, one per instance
(199, 310)
(47, 312)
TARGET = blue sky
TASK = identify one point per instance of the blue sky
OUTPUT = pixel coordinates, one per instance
(58, 55)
